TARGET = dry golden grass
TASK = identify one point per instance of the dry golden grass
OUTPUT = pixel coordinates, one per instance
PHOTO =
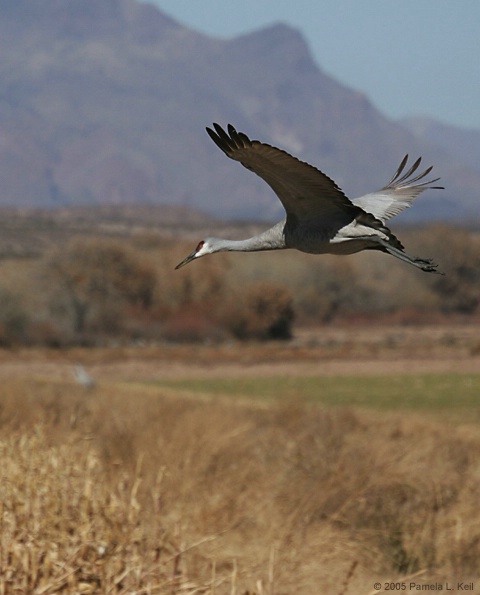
(127, 490)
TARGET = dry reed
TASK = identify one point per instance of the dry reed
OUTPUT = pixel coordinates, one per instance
(128, 491)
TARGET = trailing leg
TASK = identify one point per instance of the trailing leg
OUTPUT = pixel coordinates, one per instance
(425, 264)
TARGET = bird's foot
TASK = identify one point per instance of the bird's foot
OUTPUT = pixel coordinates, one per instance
(427, 265)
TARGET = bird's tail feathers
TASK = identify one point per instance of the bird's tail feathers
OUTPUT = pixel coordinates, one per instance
(369, 220)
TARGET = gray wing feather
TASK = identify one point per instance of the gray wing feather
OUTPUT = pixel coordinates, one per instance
(398, 194)
(305, 192)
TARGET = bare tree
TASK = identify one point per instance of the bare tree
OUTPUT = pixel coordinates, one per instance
(94, 280)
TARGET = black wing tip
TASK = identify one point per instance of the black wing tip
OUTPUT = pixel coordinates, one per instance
(228, 141)
(218, 133)
(220, 138)
(231, 130)
(210, 132)
(219, 130)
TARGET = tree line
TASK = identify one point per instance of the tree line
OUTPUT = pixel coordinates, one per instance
(96, 290)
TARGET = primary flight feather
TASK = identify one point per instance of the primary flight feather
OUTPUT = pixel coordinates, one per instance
(320, 218)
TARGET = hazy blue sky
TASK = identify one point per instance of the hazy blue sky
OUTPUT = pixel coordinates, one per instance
(411, 57)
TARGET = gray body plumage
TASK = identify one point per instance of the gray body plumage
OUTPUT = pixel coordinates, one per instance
(320, 219)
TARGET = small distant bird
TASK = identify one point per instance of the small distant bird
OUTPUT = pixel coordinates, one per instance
(83, 377)
(320, 219)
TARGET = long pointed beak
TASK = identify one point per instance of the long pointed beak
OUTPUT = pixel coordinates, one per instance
(189, 258)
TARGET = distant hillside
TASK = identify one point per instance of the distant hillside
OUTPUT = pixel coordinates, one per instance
(461, 142)
(105, 103)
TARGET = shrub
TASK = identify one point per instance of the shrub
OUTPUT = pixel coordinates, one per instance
(13, 319)
(266, 312)
(458, 256)
(191, 324)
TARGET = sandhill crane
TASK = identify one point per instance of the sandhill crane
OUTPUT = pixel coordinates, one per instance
(320, 218)
(83, 377)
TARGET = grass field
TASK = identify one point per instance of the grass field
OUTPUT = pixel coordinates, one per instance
(457, 395)
(230, 477)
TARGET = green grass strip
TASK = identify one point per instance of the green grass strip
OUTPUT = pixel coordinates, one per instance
(411, 392)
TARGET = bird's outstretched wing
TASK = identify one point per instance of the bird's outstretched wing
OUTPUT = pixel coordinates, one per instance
(305, 192)
(399, 193)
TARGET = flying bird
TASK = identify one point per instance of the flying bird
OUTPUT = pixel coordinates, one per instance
(320, 218)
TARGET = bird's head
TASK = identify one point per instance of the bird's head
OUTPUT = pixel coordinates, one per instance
(203, 248)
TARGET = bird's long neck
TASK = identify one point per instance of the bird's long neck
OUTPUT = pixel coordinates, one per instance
(271, 239)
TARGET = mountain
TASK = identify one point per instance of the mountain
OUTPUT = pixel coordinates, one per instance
(105, 103)
(462, 142)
